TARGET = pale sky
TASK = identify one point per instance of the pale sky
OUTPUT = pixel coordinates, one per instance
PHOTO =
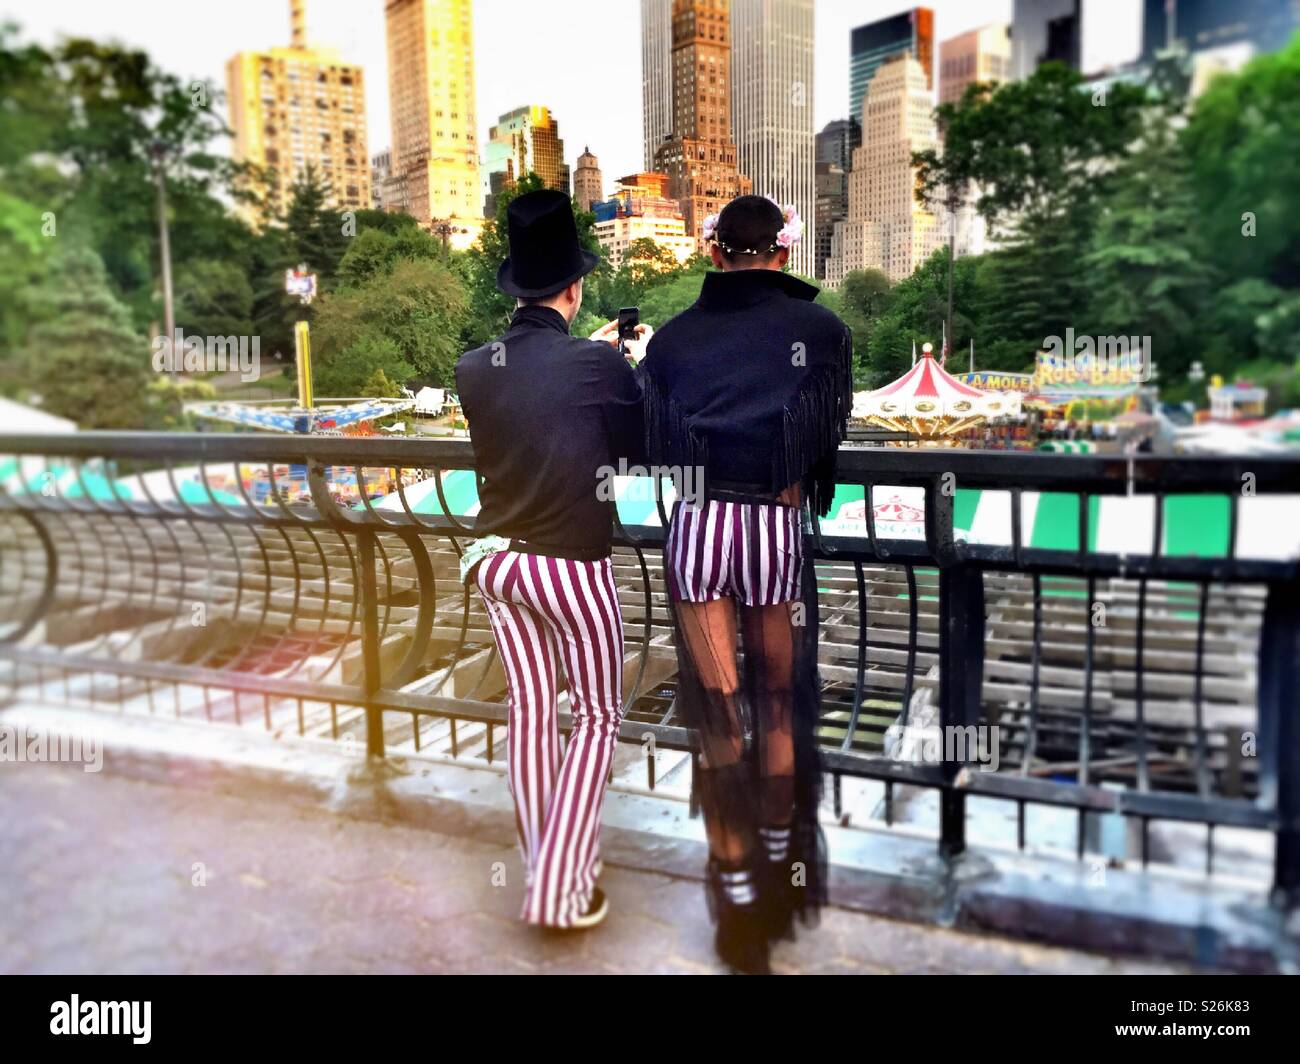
(580, 58)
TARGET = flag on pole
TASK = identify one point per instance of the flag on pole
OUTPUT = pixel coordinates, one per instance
(943, 353)
(914, 352)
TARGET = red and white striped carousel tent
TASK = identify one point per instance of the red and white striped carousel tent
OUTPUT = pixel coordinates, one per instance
(931, 403)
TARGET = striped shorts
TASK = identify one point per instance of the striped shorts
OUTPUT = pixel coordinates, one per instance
(746, 551)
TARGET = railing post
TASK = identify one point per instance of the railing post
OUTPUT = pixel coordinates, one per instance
(1279, 733)
(961, 677)
(371, 678)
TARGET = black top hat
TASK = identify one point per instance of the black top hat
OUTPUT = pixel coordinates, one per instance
(545, 255)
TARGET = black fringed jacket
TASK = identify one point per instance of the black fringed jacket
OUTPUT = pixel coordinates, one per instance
(754, 382)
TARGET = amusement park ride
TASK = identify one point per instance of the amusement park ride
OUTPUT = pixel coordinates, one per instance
(305, 417)
(932, 405)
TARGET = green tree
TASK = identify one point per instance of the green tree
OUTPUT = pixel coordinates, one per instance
(914, 314)
(405, 322)
(1038, 150)
(214, 298)
(374, 252)
(1147, 271)
(85, 361)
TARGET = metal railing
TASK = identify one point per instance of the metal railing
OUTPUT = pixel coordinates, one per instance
(224, 577)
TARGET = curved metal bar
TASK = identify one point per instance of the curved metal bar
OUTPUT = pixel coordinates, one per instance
(211, 648)
(446, 510)
(1085, 730)
(1017, 533)
(869, 491)
(371, 512)
(1031, 737)
(909, 680)
(460, 647)
(659, 503)
(248, 644)
(1140, 723)
(93, 508)
(415, 518)
(851, 731)
(290, 630)
(255, 510)
(418, 651)
(324, 613)
(282, 502)
(816, 524)
(1198, 701)
(42, 604)
(333, 663)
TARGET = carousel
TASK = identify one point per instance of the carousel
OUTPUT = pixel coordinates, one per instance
(932, 405)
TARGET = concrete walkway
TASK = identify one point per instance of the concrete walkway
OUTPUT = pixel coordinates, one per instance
(109, 874)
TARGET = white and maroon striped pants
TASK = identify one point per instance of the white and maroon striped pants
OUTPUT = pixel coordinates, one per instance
(745, 551)
(543, 609)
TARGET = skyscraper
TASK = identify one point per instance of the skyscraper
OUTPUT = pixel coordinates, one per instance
(381, 174)
(835, 143)
(700, 157)
(525, 140)
(588, 188)
(301, 106)
(834, 147)
(1205, 25)
(886, 227)
(980, 55)
(1092, 36)
(431, 99)
(772, 105)
(872, 44)
(656, 74)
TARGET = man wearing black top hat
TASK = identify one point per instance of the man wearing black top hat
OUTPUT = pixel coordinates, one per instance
(548, 413)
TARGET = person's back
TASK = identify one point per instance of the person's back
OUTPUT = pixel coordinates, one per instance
(751, 351)
(547, 410)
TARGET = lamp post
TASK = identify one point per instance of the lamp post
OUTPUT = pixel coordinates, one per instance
(158, 153)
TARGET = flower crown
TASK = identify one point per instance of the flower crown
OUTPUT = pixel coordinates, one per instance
(790, 234)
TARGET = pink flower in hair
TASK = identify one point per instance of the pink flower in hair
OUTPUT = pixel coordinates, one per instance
(710, 226)
(792, 231)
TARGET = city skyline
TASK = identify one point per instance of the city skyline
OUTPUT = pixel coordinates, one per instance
(523, 54)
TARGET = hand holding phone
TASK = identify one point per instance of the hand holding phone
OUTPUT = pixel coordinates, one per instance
(628, 320)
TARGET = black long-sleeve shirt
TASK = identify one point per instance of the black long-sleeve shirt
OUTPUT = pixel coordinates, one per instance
(550, 415)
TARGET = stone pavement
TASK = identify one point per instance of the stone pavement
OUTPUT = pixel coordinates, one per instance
(107, 874)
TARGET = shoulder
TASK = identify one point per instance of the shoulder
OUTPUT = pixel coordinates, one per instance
(475, 358)
(678, 331)
(826, 321)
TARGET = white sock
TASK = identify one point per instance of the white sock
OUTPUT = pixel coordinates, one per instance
(776, 843)
(738, 887)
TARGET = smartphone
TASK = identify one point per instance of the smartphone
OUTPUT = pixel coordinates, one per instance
(628, 319)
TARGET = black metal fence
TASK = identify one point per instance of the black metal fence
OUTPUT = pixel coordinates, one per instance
(224, 577)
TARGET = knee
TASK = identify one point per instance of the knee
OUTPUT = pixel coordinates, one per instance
(723, 690)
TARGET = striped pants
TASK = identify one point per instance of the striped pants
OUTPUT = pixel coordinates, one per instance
(543, 611)
(751, 553)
